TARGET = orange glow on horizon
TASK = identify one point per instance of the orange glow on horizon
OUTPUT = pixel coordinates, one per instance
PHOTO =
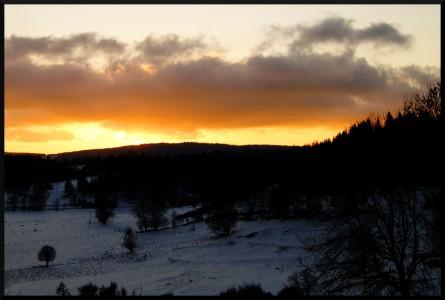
(95, 136)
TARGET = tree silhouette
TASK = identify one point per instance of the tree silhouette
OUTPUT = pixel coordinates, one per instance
(425, 104)
(149, 210)
(105, 204)
(129, 240)
(62, 290)
(47, 254)
(222, 221)
(246, 290)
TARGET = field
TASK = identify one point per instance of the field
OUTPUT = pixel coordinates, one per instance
(186, 260)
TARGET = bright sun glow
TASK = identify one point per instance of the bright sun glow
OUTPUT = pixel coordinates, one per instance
(149, 68)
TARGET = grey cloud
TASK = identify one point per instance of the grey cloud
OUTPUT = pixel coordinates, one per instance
(330, 29)
(382, 33)
(298, 88)
(422, 76)
(207, 92)
(160, 49)
(338, 30)
(17, 47)
(308, 72)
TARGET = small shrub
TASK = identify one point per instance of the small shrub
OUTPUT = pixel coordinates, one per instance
(246, 290)
(62, 290)
(88, 290)
(291, 291)
(129, 240)
(103, 214)
(304, 283)
(112, 290)
(105, 204)
(47, 254)
(221, 222)
(91, 289)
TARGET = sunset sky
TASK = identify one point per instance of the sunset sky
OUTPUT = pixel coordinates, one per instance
(95, 76)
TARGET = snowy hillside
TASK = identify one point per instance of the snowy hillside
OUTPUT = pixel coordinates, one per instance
(185, 260)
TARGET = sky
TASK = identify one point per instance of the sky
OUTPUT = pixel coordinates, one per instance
(96, 76)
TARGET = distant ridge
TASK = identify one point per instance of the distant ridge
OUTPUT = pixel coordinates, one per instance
(164, 149)
(24, 153)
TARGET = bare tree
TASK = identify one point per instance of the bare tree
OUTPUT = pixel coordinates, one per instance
(149, 212)
(380, 251)
(425, 103)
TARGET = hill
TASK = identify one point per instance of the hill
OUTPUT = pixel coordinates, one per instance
(171, 149)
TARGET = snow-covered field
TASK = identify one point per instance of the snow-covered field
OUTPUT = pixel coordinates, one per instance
(185, 260)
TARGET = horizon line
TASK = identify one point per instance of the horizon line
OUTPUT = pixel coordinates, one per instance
(159, 143)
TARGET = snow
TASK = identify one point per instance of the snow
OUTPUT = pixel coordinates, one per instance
(186, 260)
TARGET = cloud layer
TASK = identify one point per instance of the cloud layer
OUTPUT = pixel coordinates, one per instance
(171, 84)
(335, 30)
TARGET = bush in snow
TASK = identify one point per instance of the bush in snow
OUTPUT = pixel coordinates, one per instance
(47, 254)
(112, 290)
(104, 207)
(62, 290)
(291, 291)
(88, 290)
(221, 222)
(91, 289)
(246, 290)
(302, 283)
(129, 240)
(103, 214)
